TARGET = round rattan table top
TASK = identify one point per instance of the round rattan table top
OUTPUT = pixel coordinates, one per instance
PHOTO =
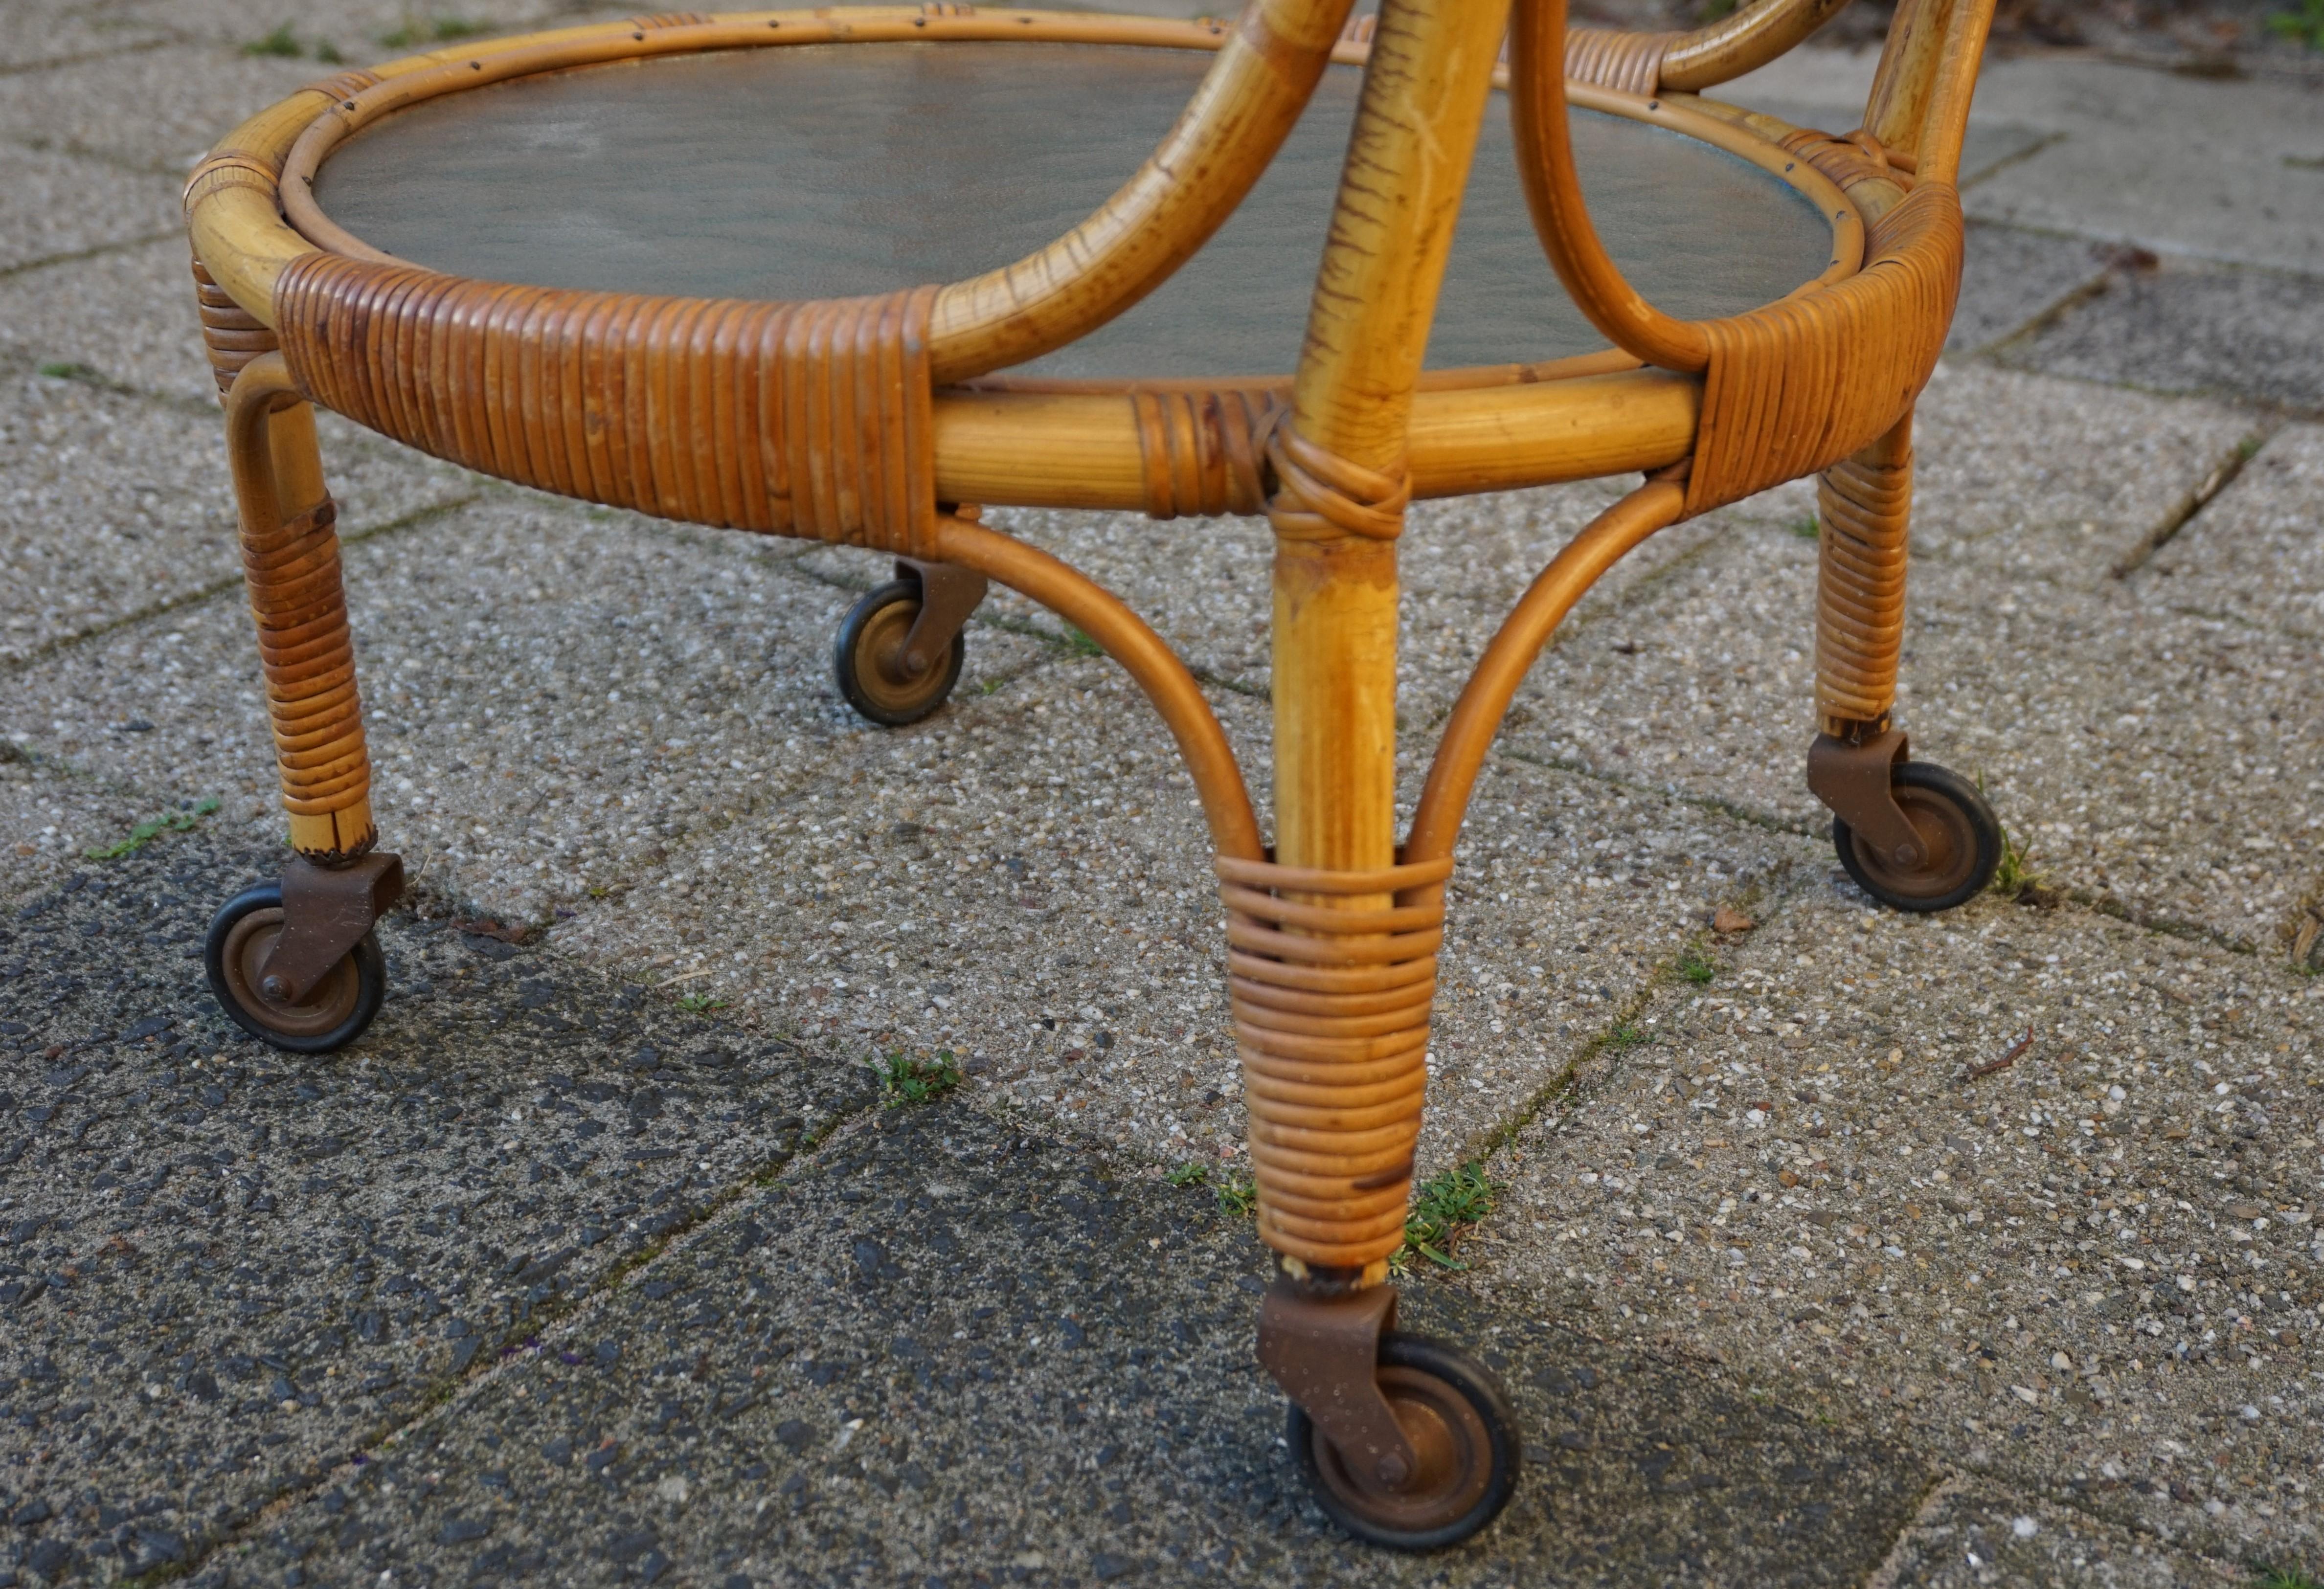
(825, 170)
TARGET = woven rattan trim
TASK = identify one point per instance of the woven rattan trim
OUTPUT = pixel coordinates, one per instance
(806, 419)
(1796, 386)
(1865, 503)
(1331, 1005)
(1320, 495)
(292, 574)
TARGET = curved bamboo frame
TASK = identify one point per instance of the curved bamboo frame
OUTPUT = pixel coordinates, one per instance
(865, 420)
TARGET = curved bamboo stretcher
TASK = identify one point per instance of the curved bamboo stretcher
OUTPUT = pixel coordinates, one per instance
(873, 420)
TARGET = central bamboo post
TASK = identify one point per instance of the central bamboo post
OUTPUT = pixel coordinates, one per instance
(1335, 590)
(1332, 946)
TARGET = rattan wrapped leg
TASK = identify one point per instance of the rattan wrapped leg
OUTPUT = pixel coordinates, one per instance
(1864, 503)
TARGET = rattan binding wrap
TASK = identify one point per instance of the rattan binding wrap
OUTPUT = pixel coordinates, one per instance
(1331, 1012)
(806, 419)
(231, 334)
(1797, 386)
(1204, 452)
(292, 574)
(1319, 494)
(1628, 63)
(1865, 503)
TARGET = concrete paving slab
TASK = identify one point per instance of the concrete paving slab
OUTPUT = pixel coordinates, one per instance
(188, 96)
(555, 697)
(56, 207)
(2009, 275)
(2256, 553)
(2028, 1186)
(227, 1268)
(360, 30)
(1971, 1533)
(944, 1353)
(127, 314)
(2179, 164)
(2249, 334)
(112, 505)
(49, 817)
(51, 33)
(1029, 885)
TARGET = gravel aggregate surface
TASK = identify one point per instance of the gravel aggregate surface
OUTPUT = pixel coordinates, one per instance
(56, 207)
(227, 1267)
(2026, 1180)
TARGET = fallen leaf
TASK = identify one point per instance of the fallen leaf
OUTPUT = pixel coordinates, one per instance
(1728, 919)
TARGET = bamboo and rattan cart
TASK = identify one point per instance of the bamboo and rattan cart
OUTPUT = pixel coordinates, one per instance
(883, 421)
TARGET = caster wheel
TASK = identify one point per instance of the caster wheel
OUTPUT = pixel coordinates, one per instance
(868, 658)
(1457, 1418)
(1960, 835)
(335, 1010)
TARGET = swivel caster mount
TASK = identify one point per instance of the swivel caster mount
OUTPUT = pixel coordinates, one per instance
(295, 962)
(1404, 1441)
(1912, 835)
(901, 648)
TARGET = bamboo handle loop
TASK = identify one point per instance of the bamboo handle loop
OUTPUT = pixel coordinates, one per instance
(811, 419)
(290, 569)
(1625, 62)
(1332, 1014)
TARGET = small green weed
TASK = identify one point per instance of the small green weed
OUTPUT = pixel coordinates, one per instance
(1807, 527)
(282, 42)
(1446, 1204)
(1081, 644)
(2286, 1578)
(328, 53)
(700, 1004)
(2015, 874)
(1238, 1195)
(910, 1080)
(72, 371)
(435, 30)
(2304, 26)
(1629, 1034)
(1190, 1174)
(144, 834)
(1695, 966)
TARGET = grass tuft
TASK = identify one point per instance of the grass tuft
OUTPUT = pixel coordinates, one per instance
(1238, 1195)
(144, 834)
(1081, 644)
(282, 42)
(1190, 1173)
(910, 1080)
(1695, 966)
(2286, 1578)
(1808, 528)
(72, 371)
(2304, 26)
(700, 1004)
(1443, 1208)
(1629, 1034)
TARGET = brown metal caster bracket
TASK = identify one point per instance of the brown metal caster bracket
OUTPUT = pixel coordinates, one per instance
(1324, 1352)
(1855, 779)
(949, 594)
(325, 912)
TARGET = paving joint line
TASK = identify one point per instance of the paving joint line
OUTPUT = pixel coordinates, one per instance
(2192, 503)
(47, 649)
(451, 1395)
(94, 251)
(1889, 1571)
(2049, 140)
(29, 67)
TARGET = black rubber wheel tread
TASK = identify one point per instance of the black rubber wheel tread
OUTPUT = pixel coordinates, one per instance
(369, 966)
(877, 699)
(1476, 1385)
(1919, 783)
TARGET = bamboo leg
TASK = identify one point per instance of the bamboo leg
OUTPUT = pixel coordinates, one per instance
(291, 564)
